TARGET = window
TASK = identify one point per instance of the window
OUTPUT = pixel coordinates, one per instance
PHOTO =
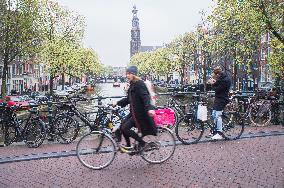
(13, 69)
(31, 68)
(26, 67)
(9, 72)
(269, 51)
(20, 69)
(14, 84)
(262, 53)
(17, 69)
(263, 38)
(268, 73)
(262, 73)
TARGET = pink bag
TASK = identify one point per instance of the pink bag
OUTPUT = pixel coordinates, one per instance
(164, 117)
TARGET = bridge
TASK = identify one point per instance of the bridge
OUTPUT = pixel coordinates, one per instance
(110, 79)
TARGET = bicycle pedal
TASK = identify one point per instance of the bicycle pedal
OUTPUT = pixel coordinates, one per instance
(133, 153)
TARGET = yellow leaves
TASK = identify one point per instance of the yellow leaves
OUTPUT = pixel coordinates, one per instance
(61, 56)
(276, 59)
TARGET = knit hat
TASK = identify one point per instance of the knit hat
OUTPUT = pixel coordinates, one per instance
(132, 70)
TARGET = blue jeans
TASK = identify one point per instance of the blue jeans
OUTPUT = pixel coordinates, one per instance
(217, 116)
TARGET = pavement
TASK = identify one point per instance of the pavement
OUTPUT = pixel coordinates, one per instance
(249, 162)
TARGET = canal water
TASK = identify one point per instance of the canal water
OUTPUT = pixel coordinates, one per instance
(107, 90)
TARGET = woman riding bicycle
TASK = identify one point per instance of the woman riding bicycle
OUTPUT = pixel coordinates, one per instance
(141, 110)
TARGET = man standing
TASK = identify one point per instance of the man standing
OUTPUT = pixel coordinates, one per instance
(221, 84)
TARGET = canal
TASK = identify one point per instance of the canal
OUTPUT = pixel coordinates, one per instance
(107, 90)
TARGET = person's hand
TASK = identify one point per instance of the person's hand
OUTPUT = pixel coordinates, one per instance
(151, 113)
(114, 104)
(211, 81)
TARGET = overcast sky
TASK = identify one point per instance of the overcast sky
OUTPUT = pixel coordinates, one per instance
(109, 23)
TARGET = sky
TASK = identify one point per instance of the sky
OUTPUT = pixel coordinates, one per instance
(109, 23)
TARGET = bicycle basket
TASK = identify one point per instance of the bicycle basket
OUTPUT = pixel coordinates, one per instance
(164, 117)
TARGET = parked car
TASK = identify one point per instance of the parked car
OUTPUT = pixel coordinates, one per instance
(18, 101)
(82, 85)
(27, 98)
(76, 87)
(41, 99)
(67, 89)
(34, 94)
(60, 93)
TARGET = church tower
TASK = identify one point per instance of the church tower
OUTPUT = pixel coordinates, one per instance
(135, 43)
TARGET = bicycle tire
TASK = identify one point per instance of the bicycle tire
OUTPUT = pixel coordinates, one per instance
(266, 115)
(157, 144)
(9, 133)
(85, 150)
(189, 131)
(233, 126)
(35, 133)
(66, 129)
(176, 116)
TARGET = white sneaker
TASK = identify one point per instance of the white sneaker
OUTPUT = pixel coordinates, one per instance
(217, 137)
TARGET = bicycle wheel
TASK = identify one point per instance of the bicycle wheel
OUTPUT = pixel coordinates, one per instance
(233, 126)
(66, 129)
(260, 114)
(34, 134)
(9, 133)
(96, 150)
(159, 148)
(189, 131)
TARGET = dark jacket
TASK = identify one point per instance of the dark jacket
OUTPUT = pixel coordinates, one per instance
(221, 88)
(139, 99)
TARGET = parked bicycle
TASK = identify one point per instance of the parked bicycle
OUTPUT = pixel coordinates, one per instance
(189, 129)
(177, 106)
(31, 131)
(58, 124)
(255, 111)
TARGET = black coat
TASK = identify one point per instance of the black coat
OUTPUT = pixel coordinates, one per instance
(139, 99)
(221, 88)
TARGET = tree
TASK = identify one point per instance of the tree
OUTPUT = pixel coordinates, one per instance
(60, 26)
(184, 52)
(143, 62)
(66, 58)
(237, 29)
(90, 63)
(273, 16)
(163, 64)
(276, 59)
(20, 32)
(236, 36)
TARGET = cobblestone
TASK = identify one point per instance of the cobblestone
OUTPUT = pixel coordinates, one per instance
(249, 163)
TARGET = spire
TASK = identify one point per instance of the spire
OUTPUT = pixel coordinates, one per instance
(135, 43)
(134, 11)
(135, 19)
